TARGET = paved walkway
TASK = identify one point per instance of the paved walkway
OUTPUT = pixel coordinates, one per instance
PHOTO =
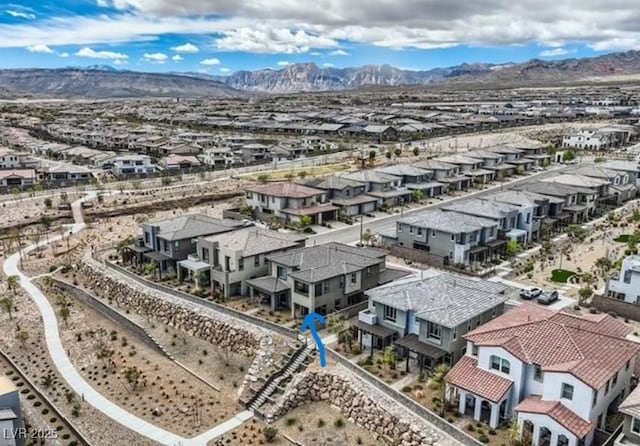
(77, 382)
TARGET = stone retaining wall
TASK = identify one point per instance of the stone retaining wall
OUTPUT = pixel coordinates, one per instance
(219, 331)
(617, 306)
(357, 407)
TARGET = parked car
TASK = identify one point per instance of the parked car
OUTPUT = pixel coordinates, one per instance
(531, 293)
(548, 297)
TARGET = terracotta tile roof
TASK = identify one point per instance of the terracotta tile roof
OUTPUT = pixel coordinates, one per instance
(591, 348)
(558, 412)
(466, 375)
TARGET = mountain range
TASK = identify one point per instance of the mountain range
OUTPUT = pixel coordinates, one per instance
(103, 81)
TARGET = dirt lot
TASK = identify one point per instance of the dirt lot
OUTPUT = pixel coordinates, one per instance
(161, 393)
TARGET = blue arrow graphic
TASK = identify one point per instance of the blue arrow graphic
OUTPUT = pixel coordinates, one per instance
(309, 322)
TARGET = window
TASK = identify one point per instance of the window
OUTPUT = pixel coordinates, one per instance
(256, 261)
(453, 237)
(326, 286)
(419, 231)
(389, 313)
(537, 373)
(146, 237)
(626, 367)
(594, 400)
(282, 273)
(205, 255)
(454, 333)
(433, 234)
(566, 391)
(353, 278)
(240, 264)
(474, 350)
(500, 364)
(599, 421)
(606, 388)
(434, 331)
(318, 289)
(301, 288)
(410, 229)
(614, 381)
(368, 271)
(494, 312)
(399, 227)
(337, 304)
(341, 282)
(635, 426)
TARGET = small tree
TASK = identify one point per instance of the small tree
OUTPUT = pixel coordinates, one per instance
(515, 437)
(302, 174)
(7, 304)
(397, 152)
(584, 293)
(12, 283)
(22, 336)
(568, 155)
(305, 221)
(270, 434)
(388, 154)
(263, 178)
(338, 325)
(417, 195)
(132, 376)
(513, 247)
(150, 268)
(64, 312)
(47, 203)
(368, 237)
(199, 278)
(416, 151)
(389, 356)
(372, 157)
(437, 382)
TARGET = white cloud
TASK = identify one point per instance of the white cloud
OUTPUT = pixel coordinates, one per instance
(212, 61)
(327, 65)
(155, 57)
(339, 52)
(283, 63)
(177, 58)
(186, 48)
(555, 52)
(88, 52)
(39, 49)
(120, 62)
(291, 26)
(64, 54)
(225, 70)
(264, 39)
(21, 14)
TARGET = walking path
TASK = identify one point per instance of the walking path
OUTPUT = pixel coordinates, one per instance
(76, 381)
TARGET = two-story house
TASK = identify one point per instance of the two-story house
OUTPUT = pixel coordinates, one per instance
(630, 408)
(621, 186)
(171, 240)
(11, 419)
(556, 373)
(533, 209)
(130, 164)
(323, 278)
(455, 238)
(289, 201)
(567, 204)
(349, 195)
(506, 215)
(427, 316)
(415, 178)
(599, 201)
(229, 260)
(471, 167)
(493, 161)
(627, 285)
(630, 168)
(383, 186)
(446, 173)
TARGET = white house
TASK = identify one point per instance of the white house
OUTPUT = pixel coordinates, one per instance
(557, 374)
(586, 139)
(627, 285)
(132, 164)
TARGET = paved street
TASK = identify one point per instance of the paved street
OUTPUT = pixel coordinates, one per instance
(351, 234)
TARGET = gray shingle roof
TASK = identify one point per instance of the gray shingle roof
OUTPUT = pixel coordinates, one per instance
(447, 221)
(482, 208)
(443, 298)
(371, 176)
(516, 197)
(316, 263)
(192, 226)
(553, 189)
(254, 241)
(404, 169)
(333, 182)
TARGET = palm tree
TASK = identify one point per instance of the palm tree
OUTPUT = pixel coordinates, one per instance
(151, 267)
(122, 244)
(437, 382)
(338, 325)
(389, 356)
(12, 283)
(367, 236)
(7, 305)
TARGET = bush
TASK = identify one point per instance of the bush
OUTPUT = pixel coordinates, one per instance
(471, 427)
(406, 389)
(339, 423)
(492, 432)
(321, 423)
(52, 268)
(483, 439)
(290, 421)
(270, 434)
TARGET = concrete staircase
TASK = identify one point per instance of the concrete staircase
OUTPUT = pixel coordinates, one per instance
(288, 370)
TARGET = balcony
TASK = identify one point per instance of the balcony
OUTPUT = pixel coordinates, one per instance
(368, 317)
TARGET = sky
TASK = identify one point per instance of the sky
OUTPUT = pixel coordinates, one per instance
(223, 36)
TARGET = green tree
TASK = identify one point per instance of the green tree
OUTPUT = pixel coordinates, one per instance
(263, 178)
(305, 221)
(368, 237)
(199, 278)
(437, 382)
(513, 247)
(397, 151)
(12, 283)
(302, 174)
(132, 376)
(270, 434)
(122, 245)
(416, 151)
(22, 336)
(568, 155)
(576, 233)
(388, 154)
(47, 203)
(604, 265)
(150, 268)
(584, 293)
(417, 195)
(389, 356)
(7, 304)
(515, 437)
(64, 312)
(340, 326)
